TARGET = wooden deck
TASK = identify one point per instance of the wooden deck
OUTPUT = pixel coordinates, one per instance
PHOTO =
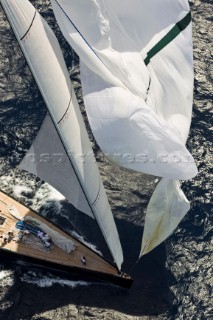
(56, 255)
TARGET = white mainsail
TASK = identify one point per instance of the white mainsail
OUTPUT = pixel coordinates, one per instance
(137, 80)
(66, 130)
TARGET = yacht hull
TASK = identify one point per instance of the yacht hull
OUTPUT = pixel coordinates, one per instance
(56, 260)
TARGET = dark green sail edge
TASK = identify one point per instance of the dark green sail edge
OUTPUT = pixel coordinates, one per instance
(171, 35)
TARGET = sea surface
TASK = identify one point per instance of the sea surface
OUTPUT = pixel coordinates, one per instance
(174, 281)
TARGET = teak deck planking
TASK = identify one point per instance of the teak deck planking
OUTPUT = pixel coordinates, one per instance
(94, 262)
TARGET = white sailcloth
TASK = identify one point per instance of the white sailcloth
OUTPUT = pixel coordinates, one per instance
(167, 207)
(140, 108)
(48, 160)
(46, 62)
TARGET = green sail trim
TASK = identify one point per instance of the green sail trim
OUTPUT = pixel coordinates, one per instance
(171, 35)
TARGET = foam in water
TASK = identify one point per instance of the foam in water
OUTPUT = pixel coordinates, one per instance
(23, 186)
(19, 189)
(49, 281)
(90, 245)
(6, 278)
(79, 237)
(49, 193)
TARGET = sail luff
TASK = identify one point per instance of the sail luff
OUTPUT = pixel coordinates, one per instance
(46, 62)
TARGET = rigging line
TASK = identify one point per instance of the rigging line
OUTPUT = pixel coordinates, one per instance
(75, 218)
(79, 33)
(29, 27)
(129, 270)
(169, 37)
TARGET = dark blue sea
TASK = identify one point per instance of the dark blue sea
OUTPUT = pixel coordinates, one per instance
(174, 281)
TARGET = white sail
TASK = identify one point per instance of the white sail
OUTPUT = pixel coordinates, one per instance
(171, 205)
(47, 159)
(46, 62)
(143, 122)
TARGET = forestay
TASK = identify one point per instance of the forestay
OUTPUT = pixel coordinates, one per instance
(65, 131)
(137, 79)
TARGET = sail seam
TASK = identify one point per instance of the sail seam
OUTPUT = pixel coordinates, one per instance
(29, 27)
(169, 37)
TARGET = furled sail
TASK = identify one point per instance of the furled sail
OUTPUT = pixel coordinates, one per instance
(57, 238)
(46, 62)
(137, 79)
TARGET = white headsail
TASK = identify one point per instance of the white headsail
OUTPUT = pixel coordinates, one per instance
(48, 160)
(137, 79)
(64, 131)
